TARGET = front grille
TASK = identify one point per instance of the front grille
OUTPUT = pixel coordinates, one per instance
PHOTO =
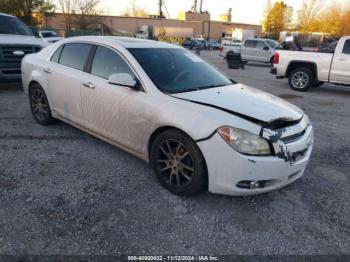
(294, 137)
(295, 132)
(7, 52)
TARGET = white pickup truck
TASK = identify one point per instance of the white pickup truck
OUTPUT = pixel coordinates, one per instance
(254, 50)
(307, 69)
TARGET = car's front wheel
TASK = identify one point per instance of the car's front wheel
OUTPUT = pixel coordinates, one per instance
(178, 163)
(301, 79)
(39, 105)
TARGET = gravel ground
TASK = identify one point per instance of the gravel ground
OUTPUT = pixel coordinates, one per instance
(65, 192)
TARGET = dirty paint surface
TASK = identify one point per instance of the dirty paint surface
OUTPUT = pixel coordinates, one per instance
(65, 192)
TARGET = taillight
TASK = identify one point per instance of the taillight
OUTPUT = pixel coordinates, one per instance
(276, 58)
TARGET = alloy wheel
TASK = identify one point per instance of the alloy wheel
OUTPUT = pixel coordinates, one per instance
(300, 80)
(39, 104)
(174, 163)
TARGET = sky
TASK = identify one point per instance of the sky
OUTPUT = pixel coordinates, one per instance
(243, 11)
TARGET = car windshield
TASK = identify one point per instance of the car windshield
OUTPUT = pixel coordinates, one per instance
(178, 70)
(272, 43)
(48, 34)
(12, 26)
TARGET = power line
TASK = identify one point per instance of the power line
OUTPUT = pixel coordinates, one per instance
(166, 9)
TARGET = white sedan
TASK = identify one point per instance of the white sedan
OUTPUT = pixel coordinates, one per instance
(197, 128)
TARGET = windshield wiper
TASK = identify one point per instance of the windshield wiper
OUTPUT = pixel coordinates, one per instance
(198, 88)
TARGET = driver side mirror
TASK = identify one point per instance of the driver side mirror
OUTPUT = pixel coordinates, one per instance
(124, 79)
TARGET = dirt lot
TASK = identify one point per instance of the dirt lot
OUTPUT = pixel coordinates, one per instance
(65, 192)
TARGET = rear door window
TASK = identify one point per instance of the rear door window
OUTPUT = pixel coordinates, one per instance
(250, 43)
(75, 55)
(346, 49)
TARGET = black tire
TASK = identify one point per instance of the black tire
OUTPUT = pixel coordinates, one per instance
(271, 61)
(178, 163)
(39, 105)
(301, 79)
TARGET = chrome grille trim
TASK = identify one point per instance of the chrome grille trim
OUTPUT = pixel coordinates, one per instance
(7, 56)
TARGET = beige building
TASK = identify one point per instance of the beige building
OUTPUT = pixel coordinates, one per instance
(200, 22)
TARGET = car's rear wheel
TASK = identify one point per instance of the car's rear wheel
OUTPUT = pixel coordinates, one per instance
(178, 163)
(39, 105)
(301, 79)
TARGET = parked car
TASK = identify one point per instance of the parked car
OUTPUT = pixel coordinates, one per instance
(206, 44)
(151, 99)
(16, 40)
(307, 69)
(227, 41)
(192, 44)
(49, 36)
(236, 48)
(256, 50)
(259, 50)
(215, 45)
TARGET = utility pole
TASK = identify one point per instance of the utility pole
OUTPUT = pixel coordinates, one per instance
(160, 9)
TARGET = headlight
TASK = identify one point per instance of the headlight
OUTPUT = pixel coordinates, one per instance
(244, 141)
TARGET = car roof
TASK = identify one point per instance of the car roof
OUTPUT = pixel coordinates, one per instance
(3, 14)
(126, 42)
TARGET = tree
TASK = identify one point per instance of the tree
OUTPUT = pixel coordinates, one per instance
(135, 10)
(86, 14)
(330, 20)
(267, 23)
(25, 9)
(278, 17)
(308, 15)
(344, 28)
(67, 8)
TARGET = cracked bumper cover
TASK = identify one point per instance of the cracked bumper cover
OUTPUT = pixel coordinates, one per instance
(227, 167)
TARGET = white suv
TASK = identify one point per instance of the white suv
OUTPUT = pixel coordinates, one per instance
(16, 40)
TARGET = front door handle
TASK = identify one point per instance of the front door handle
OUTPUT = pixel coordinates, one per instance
(89, 85)
(48, 70)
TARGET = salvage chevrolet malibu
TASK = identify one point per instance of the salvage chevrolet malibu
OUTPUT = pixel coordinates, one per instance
(197, 128)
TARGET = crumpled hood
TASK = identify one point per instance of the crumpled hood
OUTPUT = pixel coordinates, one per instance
(21, 40)
(245, 101)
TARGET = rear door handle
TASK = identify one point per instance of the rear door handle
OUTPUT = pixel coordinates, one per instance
(48, 70)
(89, 85)
(341, 59)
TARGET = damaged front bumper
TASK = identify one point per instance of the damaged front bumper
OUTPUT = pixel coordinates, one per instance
(232, 173)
